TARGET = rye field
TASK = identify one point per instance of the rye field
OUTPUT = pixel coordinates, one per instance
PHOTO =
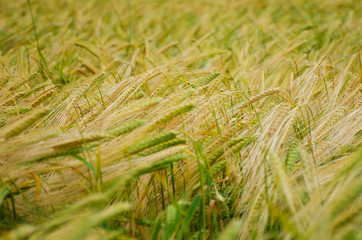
(203, 119)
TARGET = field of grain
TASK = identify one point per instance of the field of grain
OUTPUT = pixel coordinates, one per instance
(203, 119)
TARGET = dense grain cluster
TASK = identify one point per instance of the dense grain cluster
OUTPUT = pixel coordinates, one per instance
(180, 119)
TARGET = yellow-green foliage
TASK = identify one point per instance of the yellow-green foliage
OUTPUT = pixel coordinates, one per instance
(180, 119)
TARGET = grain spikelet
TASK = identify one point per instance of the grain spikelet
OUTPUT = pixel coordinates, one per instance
(29, 139)
(78, 141)
(258, 97)
(292, 155)
(52, 153)
(283, 72)
(218, 167)
(85, 87)
(280, 114)
(19, 126)
(228, 134)
(320, 150)
(17, 110)
(12, 111)
(4, 80)
(233, 130)
(218, 152)
(216, 100)
(160, 160)
(125, 128)
(160, 155)
(41, 98)
(172, 113)
(162, 146)
(244, 143)
(327, 125)
(13, 98)
(136, 82)
(180, 96)
(16, 84)
(204, 80)
(340, 80)
(139, 105)
(3, 120)
(147, 142)
(214, 85)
